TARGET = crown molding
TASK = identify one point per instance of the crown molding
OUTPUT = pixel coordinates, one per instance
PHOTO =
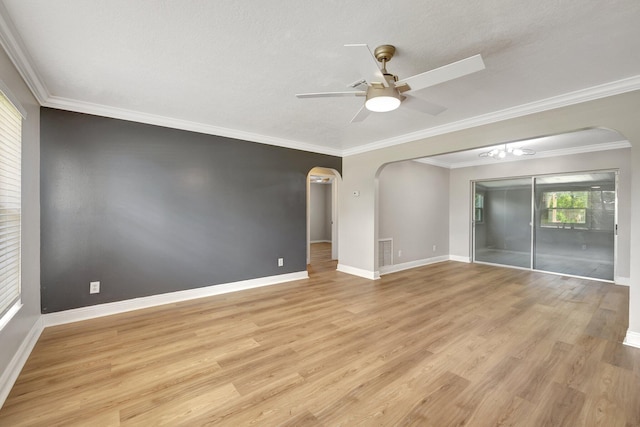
(571, 98)
(14, 47)
(18, 54)
(153, 119)
(584, 95)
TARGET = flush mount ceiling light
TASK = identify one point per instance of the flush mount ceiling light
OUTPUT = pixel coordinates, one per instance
(503, 152)
(320, 179)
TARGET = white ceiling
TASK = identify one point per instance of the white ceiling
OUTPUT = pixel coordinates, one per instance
(233, 67)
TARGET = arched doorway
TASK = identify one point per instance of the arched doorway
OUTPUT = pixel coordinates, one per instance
(322, 221)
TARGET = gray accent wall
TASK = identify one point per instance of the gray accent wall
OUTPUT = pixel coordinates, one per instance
(147, 210)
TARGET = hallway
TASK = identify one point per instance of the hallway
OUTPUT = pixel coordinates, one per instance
(321, 258)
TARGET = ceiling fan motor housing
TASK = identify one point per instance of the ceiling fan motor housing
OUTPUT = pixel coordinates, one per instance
(384, 52)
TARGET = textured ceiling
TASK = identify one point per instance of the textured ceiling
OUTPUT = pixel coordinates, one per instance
(233, 67)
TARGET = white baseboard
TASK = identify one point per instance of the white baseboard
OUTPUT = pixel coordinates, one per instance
(632, 339)
(320, 241)
(624, 281)
(459, 258)
(84, 313)
(371, 275)
(387, 269)
(13, 369)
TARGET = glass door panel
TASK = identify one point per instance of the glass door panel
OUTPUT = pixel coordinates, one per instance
(502, 222)
(575, 218)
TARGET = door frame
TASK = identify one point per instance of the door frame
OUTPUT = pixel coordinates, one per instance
(335, 196)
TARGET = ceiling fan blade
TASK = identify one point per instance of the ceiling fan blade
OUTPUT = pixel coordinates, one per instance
(445, 73)
(362, 114)
(423, 106)
(367, 63)
(331, 94)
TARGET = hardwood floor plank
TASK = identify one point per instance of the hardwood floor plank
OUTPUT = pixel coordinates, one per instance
(502, 409)
(560, 407)
(440, 391)
(180, 410)
(265, 406)
(581, 363)
(343, 409)
(536, 381)
(305, 418)
(462, 407)
(445, 344)
(601, 404)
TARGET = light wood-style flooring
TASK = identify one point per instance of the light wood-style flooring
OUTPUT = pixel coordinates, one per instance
(448, 344)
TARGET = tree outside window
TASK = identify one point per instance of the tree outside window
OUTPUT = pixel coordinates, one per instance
(580, 209)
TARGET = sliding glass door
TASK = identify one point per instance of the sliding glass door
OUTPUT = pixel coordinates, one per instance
(502, 222)
(575, 219)
(562, 223)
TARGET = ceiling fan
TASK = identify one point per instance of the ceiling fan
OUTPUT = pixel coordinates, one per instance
(384, 92)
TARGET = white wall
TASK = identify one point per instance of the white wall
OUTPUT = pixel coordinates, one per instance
(460, 189)
(320, 212)
(358, 215)
(17, 336)
(328, 210)
(413, 203)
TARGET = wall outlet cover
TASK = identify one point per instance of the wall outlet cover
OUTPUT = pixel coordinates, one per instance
(94, 287)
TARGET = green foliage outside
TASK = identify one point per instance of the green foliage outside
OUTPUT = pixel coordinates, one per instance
(566, 207)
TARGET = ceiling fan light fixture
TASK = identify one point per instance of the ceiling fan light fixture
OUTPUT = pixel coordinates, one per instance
(381, 100)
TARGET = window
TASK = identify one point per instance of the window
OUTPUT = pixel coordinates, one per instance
(565, 207)
(589, 209)
(479, 208)
(10, 207)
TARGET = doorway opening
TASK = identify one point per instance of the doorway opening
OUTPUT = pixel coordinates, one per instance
(322, 217)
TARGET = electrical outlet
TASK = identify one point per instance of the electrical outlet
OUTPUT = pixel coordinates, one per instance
(399, 253)
(94, 287)
(434, 248)
(280, 262)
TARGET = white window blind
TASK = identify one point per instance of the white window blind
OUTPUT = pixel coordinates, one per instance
(10, 204)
